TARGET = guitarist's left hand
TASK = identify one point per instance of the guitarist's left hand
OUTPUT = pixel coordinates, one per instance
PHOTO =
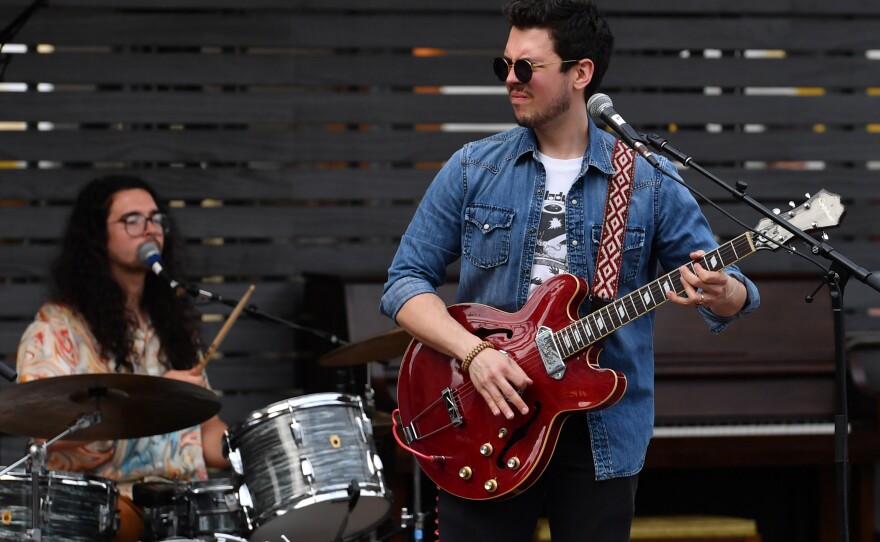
(716, 290)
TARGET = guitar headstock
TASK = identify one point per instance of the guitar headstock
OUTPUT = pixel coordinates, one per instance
(821, 211)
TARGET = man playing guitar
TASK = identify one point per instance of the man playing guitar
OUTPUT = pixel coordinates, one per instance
(494, 205)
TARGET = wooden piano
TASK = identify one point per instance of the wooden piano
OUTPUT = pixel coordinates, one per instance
(743, 418)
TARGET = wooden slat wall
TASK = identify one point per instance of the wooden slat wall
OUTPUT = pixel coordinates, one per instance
(296, 137)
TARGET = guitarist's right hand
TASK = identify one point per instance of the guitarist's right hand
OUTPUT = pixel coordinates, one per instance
(493, 374)
(500, 381)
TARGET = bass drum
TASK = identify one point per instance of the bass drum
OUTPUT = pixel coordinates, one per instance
(75, 507)
(308, 466)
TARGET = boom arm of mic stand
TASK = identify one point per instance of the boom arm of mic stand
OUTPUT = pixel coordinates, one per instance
(257, 314)
(739, 192)
(10, 30)
(8, 372)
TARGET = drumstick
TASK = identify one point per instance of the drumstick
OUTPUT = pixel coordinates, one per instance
(233, 316)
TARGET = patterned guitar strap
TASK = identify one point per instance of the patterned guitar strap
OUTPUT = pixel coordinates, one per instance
(620, 185)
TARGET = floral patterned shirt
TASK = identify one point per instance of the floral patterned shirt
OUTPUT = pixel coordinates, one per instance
(59, 343)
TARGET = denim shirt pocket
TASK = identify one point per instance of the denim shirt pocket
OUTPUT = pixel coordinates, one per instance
(633, 242)
(486, 237)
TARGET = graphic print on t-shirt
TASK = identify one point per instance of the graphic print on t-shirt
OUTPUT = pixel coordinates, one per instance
(551, 248)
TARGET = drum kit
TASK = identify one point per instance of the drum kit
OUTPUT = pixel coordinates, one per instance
(303, 470)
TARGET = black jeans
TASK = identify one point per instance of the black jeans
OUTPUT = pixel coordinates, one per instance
(579, 508)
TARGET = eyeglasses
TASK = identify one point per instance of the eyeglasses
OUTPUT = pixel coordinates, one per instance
(136, 223)
(522, 68)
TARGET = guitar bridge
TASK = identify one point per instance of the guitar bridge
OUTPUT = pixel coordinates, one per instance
(452, 407)
(553, 362)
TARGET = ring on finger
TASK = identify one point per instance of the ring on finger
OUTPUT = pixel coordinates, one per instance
(702, 298)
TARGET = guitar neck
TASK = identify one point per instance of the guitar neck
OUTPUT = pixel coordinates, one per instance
(598, 324)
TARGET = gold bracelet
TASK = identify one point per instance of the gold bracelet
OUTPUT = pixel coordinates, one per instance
(466, 362)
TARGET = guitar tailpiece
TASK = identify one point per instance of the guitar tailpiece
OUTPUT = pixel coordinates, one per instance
(395, 416)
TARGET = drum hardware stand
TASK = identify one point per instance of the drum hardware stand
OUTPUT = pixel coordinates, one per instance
(369, 394)
(417, 518)
(36, 466)
(354, 493)
(419, 523)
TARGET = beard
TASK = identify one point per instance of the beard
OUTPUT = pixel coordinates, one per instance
(537, 119)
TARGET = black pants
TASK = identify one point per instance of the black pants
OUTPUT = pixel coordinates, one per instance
(579, 508)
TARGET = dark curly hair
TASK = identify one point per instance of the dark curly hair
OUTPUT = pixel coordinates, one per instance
(81, 280)
(577, 28)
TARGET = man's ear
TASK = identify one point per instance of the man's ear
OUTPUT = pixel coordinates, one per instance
(584, 69)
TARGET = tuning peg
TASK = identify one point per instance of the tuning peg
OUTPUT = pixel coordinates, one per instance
(824, 236)
(776, 210)
(791, 204)
(807, 195)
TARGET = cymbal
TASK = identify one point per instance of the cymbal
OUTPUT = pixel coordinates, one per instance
(390, 344)
(131, 406)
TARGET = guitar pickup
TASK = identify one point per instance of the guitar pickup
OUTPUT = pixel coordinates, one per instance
(452, 407)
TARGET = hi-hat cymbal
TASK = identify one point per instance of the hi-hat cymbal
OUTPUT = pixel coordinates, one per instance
(390, 344)
(130, 406)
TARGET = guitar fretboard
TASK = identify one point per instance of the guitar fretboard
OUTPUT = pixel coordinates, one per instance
(600, 323)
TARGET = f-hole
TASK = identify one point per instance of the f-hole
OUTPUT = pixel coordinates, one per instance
(484, 332)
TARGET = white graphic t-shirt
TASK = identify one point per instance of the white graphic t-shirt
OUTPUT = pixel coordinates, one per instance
(551, 251)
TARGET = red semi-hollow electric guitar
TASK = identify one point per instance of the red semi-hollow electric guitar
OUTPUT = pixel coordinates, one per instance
(473, 454)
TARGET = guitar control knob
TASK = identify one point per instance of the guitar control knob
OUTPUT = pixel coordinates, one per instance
(513, 463)
(465, 473)
(491, 486)
(486, 449)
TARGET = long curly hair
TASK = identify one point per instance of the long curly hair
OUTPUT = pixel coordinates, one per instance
(81, 280)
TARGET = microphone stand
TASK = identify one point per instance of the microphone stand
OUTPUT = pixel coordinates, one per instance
(198, 293)
(837, 275)
(12, 29)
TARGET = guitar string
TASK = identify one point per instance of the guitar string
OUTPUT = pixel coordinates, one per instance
(465, 390)
(528, 362)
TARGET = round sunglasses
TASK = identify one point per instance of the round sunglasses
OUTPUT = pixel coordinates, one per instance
(522, 68)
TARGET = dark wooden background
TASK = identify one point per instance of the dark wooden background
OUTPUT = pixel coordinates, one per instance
(295, 137)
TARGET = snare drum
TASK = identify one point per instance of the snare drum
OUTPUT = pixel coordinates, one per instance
(74, 507)
(301, 461)
(200, 510)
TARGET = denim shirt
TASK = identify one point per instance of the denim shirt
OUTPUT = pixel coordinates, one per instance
(484, 206)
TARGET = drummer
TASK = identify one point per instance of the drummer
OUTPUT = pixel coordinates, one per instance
(107, 314)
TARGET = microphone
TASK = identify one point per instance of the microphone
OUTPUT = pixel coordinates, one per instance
(149, 254)
(600, 108)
